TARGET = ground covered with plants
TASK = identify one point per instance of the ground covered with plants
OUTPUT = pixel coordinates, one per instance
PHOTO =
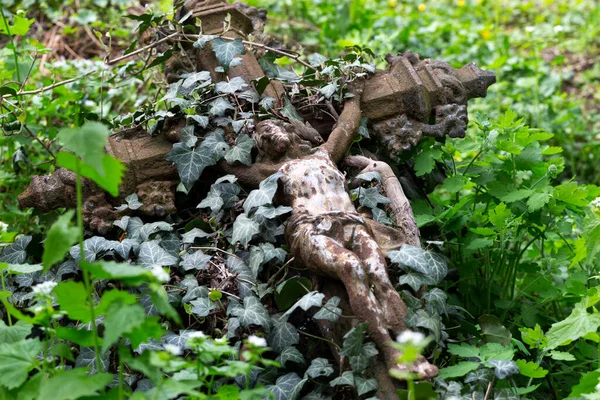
(208, 303)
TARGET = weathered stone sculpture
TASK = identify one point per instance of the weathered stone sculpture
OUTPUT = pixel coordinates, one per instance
(408, 100)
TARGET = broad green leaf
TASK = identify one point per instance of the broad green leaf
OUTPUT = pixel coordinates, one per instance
(460, 369)
(61, 237)
(587, 384)
(531, 369)
(87, 142)
(538, 200)
(319, 367)
(571, 193)
(534, 337)
(244, 229)
(492, 331)
(579, 323)
(425, 161)
(499, 215)
(463, 350)
(73, 384)
(82, 337)
(283, 335)
(561, 356)
(73, 299)
(496, 351)
(16, 360)
(15, 333)
(121, 319)
(109, 180)
(227, 50)
(130, 274)
(20, 25)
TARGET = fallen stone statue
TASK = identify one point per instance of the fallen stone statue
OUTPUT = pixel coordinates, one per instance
(412, 98)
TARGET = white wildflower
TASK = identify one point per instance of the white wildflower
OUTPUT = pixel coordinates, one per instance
(171, 348)
(407, 336)
(558, 28)
(530, 29)
(160, 273)
(3, 227)
(196, 335)
(222, 340)
(257, 341)
(37, 309)
(595, 203)
(44, 288)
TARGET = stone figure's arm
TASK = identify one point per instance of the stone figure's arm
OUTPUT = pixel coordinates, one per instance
(250, 175)
(341, 137)
(400, 207)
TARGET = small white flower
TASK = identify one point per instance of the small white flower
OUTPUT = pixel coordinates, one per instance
(3, 227)
(257, 341)
(595, 202)
(222, 340)
(197, 334)
(38, 309)
(558, 28)
(530, 29)
(410, 337)
(160, 273)
(171, 348)
(44, 288)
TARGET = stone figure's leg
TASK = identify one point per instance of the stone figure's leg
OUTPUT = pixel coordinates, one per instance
(329, 257)
(372, 257)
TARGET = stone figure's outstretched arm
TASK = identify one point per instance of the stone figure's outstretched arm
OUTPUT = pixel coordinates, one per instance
(342, 135)
(250, 175)
(400, 207)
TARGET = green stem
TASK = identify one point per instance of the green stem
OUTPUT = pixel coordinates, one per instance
(4, 290)
(411, 389)
(12, 43)
(86, 275)
(121, 392)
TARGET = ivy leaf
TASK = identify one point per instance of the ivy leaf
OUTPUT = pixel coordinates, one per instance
(354, 339)
(579, 323)
(414, 280)
(202, 306)
(244, 229)
(124, 247)
(287, 387)
(242, 151)
(252, 313)
(283, 335)
(226, 50)
(329, 89)
(16, 360)
(152, 254)
(245, 279)
(425, 262)
(319, 367)
(219, 107)
(290, 354)
(191, 236)
(231, 86)
(431, 322)
(147, 230)
(196, 260)
(361, 362)
(61, 237)
(121, 319)
(132, 201)
(504, 368)
(347, 378)
(73, 384)
(330, 311)
(190, 162)
(202, 40)
(16, 253)
(270, 212)
(91, 248)
(264, 194)
(364, 385)
(370, 197)
(311, 299)
(87, 358)
(531, 369)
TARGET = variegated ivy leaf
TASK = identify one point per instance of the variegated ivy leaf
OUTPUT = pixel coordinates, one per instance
(196, 260)
(245, 278)
(148, 230)
(311, 299)
(215, 144)
(432, 322)
(319, 367)
(187, 136)
(180, 340)
(227, 50)
(283, 335)
(370, 197)
(364, 385)
(425, 262)
(202, 306)
(509, 394)
(270, 212)
(152, 254)
(435, 295)
(194, 293)
(190, 162)
(264, 194)
(347, 378)
(242, 151)
(360, 362)
(87, 358)
(16, 253)
(370, 176)
(201, 120)
(125, 246)
(290, 354)
(132, 203)
(287, 387)
(231, 86)
(190, 79)
(243, 230)
(504, 368)
(171, 243)
(219, 107)
(354, 339)
(91, 248)
(192, 235)
(122, 223)
(239, 124)
(330, 311)
(479, 377)
(329, 89)
(381, 216)
(415, 280)
(202, 40)
(252, 313)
